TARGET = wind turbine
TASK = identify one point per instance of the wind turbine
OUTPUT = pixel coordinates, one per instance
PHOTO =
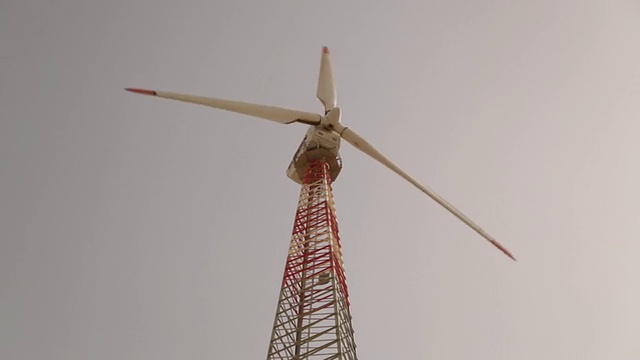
(313, 319)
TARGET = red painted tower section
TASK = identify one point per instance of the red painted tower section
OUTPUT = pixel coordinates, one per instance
(312, 319)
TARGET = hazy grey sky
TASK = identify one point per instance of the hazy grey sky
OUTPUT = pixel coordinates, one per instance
(141, 228)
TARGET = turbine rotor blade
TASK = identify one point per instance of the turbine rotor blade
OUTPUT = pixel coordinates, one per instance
(361, 144)
(273, 113)
(326, 87)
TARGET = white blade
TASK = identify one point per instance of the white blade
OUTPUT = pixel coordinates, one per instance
(273, 113)
(354, 139)
(326, 88)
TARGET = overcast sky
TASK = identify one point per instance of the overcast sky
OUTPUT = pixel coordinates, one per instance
(142, 228)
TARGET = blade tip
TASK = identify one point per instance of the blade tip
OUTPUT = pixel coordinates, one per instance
(510, 255)
(142, 91)
(503, 249)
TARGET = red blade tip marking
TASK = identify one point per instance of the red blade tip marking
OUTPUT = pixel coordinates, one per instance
(505, 251)
(142, 91)
(325, 50)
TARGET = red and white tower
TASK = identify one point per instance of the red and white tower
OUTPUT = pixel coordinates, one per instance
(313, 320)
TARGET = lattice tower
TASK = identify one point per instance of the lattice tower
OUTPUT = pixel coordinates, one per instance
(313, 320)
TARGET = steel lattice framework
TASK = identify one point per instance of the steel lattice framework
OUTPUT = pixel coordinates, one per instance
(312, 319)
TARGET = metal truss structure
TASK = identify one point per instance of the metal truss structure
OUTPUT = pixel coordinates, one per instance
(312, 319)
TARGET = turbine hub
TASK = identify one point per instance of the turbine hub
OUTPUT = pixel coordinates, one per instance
(331, 120)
